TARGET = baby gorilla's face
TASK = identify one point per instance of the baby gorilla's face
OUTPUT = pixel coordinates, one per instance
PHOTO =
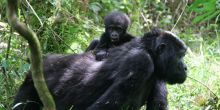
(116, 24)
(115, 32)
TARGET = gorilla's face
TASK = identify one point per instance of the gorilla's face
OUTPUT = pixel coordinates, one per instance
(115, 32)
(170, 51)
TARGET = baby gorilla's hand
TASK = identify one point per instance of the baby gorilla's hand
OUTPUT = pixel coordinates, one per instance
(101, 55)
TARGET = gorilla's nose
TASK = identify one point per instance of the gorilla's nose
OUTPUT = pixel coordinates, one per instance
(185, 68)
(182, 66)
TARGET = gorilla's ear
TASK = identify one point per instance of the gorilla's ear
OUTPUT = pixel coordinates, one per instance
(160, 48)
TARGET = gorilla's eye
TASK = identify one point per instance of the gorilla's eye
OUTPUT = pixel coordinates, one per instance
(110, 29)
(181, 54)
(115, 28)
(119, 29)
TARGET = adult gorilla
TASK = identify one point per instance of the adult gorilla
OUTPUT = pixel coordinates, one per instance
(123, 81)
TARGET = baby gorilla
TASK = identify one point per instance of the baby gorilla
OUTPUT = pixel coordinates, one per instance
(116, 24)
(124, 81)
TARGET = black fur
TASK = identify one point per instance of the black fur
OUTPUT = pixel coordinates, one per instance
(157, 99)
(116, 24)
(124, 80)
(92, 45)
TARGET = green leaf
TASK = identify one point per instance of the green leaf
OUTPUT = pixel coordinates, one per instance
(201, 6)
(196, 4)
(213, 15)
(95, 7)
(206, 16)
(209, 5)
(4, 64)
(201, 17)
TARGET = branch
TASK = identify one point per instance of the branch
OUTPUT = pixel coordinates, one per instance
(32, 9)
(180, 16)
(203, 85)
(36, 55)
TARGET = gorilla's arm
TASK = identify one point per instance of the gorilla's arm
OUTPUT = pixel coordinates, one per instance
(101, 50)
(92, 45)
(158, 97)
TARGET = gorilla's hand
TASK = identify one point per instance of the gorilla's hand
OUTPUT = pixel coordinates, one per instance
(101, 55)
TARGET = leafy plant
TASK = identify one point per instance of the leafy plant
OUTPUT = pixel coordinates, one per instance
(206, 9)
